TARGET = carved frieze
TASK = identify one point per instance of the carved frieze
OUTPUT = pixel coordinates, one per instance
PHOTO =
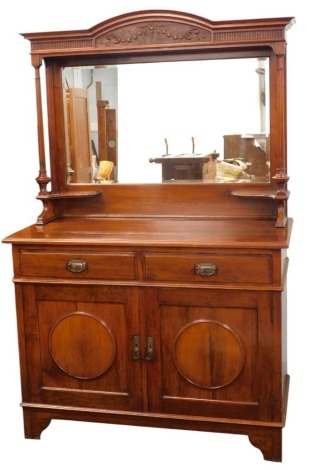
(61, 44)
(155, 32)
(262, 34)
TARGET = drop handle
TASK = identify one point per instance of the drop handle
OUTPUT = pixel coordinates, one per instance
(149, 349)
(205, 269)
(77, 265)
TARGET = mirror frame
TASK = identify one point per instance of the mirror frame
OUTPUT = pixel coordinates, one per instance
(157, 35)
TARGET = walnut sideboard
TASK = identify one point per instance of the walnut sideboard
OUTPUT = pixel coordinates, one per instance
(157, 304)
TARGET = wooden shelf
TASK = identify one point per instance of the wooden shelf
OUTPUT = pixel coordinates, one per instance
(69, 195)
(258, 193)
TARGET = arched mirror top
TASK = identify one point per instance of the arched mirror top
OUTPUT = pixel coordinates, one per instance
(162, 96)
(160, 30)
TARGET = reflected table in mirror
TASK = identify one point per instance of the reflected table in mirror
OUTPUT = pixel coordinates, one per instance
(187, 166)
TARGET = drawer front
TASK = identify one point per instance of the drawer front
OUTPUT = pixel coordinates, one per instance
(114, 266)
(205, 268)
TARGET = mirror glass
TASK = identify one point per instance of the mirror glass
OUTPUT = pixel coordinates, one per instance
(201, 121)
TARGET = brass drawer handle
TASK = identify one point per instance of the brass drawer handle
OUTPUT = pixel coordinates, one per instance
(206, 269)
(77, 265)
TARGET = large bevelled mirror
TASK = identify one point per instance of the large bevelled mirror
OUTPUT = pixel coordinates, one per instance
(196, 121)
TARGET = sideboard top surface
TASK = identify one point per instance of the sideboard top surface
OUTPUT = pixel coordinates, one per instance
(156, 232)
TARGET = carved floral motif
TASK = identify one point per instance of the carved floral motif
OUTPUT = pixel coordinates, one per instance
(154, 32)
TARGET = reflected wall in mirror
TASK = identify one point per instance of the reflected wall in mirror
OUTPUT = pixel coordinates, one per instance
(205, 121)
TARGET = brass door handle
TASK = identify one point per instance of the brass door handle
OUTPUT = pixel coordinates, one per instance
(136, 350)
(149, 349)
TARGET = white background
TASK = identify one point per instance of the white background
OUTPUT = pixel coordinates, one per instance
(65, 445)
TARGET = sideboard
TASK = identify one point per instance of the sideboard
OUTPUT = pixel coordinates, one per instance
(159, 304)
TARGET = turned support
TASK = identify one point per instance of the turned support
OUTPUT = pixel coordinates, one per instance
(42, 179)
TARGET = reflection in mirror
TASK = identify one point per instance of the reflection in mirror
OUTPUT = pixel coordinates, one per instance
(204, 121)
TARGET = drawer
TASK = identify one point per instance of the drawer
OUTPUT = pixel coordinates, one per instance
(114, 266)
(209, 268)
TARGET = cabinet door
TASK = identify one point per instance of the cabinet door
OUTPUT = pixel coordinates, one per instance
(79, 347)
(212, 353)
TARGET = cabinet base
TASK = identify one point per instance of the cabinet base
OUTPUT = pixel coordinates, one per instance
(265, 436)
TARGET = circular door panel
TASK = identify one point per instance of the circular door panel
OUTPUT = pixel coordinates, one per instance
(82, 345)
(208, 354)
